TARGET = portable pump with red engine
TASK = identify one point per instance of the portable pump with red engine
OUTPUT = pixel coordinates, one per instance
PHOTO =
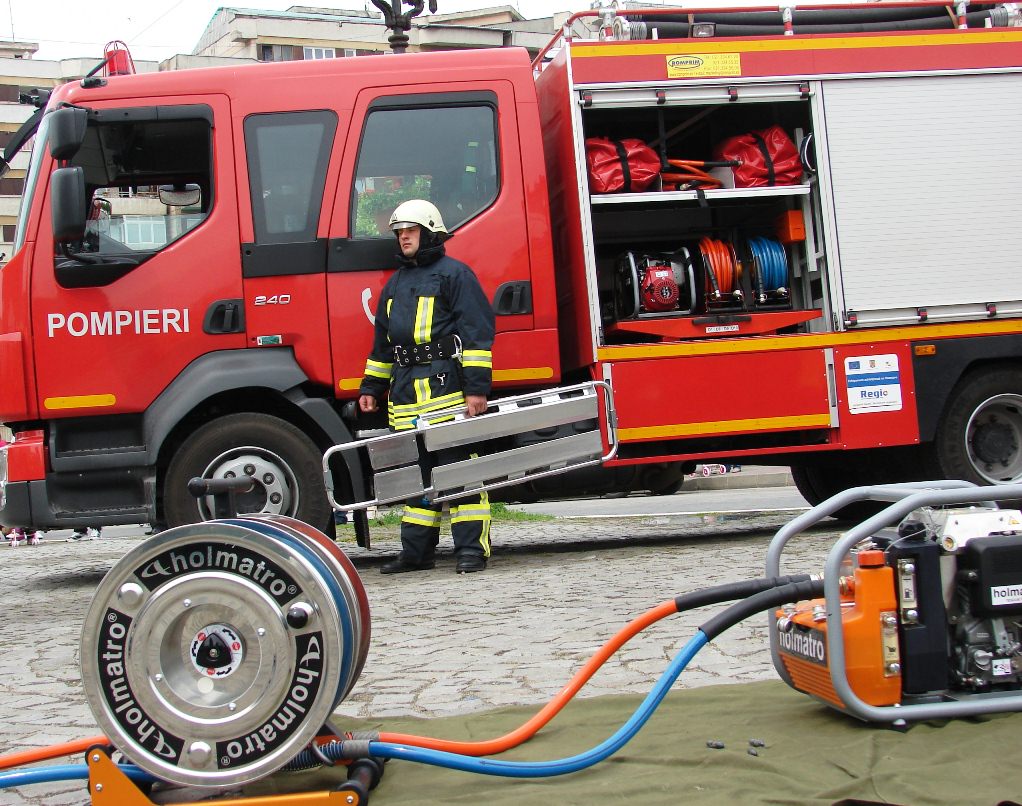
(654, 284)
(920, 620)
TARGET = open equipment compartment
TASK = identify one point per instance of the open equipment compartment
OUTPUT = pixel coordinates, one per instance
(692, 255)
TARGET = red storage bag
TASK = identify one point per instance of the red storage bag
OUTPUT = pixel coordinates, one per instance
(767, 158)
(620, 165)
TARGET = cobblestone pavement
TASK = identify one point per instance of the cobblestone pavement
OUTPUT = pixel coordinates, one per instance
(441, 643)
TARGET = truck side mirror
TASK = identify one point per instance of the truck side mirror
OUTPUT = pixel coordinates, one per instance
(180, 195)
(67, 132)
(68, 204)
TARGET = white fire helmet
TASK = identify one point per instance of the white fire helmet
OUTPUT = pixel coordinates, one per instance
(417, 211)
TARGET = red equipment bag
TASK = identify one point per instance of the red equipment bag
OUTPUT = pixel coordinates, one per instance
(767, 158)
(620, 165)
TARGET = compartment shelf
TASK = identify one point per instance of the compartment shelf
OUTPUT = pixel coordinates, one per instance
(661, 196)
(752, 323)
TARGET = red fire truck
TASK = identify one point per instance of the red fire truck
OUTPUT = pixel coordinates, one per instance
(199, 253)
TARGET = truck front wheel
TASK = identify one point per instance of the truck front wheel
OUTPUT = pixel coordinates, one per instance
(284, 462)
(979, 438)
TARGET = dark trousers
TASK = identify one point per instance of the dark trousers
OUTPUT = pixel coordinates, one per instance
(470, 523)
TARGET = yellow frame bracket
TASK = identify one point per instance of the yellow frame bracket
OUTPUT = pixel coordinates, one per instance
(109, 786)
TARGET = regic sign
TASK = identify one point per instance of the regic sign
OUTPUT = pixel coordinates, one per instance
(873, 383)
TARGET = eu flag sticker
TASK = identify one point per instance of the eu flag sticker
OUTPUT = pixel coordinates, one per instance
(873, 383)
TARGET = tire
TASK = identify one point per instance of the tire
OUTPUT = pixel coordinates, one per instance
(819, 482)
(662, 479)
(287, 466)
(670, 489)
(805, 483)
(979, 437)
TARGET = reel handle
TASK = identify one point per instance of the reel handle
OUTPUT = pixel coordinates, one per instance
(223, 492)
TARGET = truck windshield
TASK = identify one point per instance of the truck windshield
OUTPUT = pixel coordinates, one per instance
(31, 183)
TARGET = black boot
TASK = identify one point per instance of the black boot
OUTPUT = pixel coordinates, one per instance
(469, 563)
(399, 565)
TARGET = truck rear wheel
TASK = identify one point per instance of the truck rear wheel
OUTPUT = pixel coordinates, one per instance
(823, 476)
(979, 438)
(285, 463)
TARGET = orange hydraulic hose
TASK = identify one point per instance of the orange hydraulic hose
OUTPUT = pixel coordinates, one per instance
(722, 263)
(692, 175)
(53, 751)
(552, 708)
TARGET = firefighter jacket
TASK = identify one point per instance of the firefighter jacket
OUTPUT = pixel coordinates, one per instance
(422, 305)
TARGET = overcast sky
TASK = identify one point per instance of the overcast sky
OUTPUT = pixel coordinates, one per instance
(157, 30)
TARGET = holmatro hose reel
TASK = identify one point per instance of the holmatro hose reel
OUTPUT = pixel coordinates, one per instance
(212, 654)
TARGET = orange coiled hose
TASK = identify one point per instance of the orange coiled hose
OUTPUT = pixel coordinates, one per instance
(552, 708)
(722, 262)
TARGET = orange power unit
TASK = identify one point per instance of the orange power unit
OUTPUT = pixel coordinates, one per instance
(921, 616)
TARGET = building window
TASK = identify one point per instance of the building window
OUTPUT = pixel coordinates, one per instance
(319, 53)
(279, 53)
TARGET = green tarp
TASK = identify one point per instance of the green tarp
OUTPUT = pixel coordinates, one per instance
(812, 755)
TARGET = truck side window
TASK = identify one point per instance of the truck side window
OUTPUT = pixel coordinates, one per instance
(446, 154)
(287, 160)
(150, 183)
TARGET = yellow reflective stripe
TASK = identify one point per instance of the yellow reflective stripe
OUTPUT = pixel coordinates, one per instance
(378, 369)
(80, 402)
(434, 404)
(421, 517)
(484, 539)
(389, 303)
(421, 390)
(474, 513)
(402, 416)
(477, 358)
(424, 320)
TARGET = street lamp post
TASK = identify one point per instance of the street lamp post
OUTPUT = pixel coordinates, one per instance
(401, 22)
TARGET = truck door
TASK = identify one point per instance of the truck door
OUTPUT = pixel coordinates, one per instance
(150, 288)
(284, 260)
(457, 145)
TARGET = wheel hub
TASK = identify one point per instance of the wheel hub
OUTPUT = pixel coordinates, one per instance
(994, 439)
(275, 491)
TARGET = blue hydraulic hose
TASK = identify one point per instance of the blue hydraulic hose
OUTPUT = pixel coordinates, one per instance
(64, 772)
(543, 769)
(772, 260)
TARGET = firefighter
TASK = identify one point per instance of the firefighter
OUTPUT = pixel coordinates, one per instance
(431, 351)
